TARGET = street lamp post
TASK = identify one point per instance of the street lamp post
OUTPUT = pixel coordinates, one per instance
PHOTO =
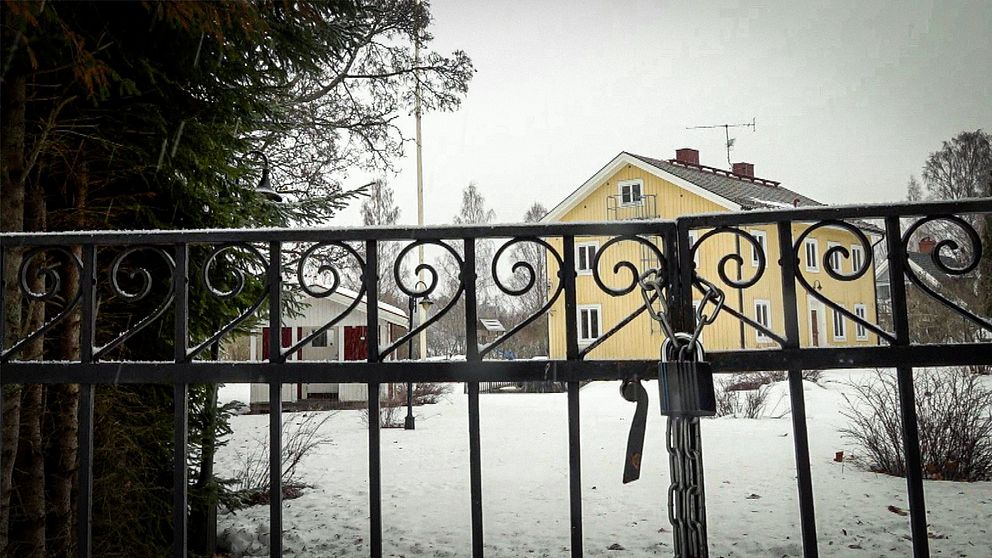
(425, 304)
(264, 186)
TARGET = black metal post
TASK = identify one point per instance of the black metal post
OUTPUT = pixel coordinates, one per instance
(409, 423)
(687, 500)
(180, 406)
(87, 397)
(574, 433)
(372, 348)
(274, 278)
(907, 395)
(474, 427)
(788, 259)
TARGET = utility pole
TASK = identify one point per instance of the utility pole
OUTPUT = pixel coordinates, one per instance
(726, 130)
(420, 174)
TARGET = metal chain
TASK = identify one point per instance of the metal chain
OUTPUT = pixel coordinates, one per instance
(686, 502)
(686, 505)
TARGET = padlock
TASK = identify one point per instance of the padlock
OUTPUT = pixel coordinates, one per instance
(686, 388)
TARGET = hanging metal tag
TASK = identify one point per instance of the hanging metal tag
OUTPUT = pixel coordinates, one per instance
(633, 391)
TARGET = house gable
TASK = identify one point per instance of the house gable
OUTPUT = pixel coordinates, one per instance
(607, 177)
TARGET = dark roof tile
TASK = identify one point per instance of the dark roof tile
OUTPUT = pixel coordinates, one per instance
(747, 194)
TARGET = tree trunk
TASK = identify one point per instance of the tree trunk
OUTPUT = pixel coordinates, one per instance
(11, 428)
(60, 466)
(29, 466)
(12, 103)
(62, 421)
(28, 527)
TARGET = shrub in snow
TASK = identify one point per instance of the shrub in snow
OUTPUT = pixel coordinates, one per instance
(301, 434)
(741, 397)
(954, 410)
(748, 381)
(392, 412)
(428, 393)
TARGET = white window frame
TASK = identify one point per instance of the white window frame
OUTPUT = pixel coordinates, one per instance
(839, 268)
(627, 184)
(767, 305)
(841, 320)
(762, 238)
(693, 239)
(857, 257)
(578, 249)
(598, 309)
(816, 254)
(860, 331)
(326, 338)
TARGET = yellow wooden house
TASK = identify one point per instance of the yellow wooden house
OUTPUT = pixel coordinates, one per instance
(637, 187)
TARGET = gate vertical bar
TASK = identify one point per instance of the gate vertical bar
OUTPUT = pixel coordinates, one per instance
(87, 394)
(788, 260)
(3, 336)
(372, 346)
(907, 396)
(3, 320)
(686, 438)
(274, 280)
(474, 427)
(574, 433)
(180, 395)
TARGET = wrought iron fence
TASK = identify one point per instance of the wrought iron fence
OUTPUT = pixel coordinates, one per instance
(71, 273)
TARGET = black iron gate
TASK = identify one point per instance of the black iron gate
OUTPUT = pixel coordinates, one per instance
(283, 261)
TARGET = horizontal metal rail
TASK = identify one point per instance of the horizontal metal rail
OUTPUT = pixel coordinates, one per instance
(484, 371)
(612, 228)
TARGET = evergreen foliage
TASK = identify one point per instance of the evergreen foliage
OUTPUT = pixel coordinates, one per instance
(144, 115)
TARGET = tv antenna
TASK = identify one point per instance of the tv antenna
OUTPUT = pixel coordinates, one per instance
(726, 130)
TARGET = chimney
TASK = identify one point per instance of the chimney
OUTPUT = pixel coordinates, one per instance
(927, 244)
(744, 169)
(687, 155)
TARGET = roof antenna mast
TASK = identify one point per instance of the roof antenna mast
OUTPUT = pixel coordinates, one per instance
(726, 129)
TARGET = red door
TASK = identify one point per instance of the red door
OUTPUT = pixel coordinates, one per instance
(287, 340)
(355, 346)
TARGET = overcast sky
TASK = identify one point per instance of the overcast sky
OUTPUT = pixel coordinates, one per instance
(849, 97)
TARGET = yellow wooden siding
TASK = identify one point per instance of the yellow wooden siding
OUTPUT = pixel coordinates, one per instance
(641, 338)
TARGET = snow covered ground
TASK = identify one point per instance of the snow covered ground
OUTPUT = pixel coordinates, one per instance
(752, 504)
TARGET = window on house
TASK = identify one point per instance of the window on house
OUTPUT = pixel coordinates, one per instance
(763, 315)
(812, 255)
(760, 237)
(585, 255)
(840, 326)
(857, 257)
(693, 237)
(835, 257)
(860, 310)
(589, 321)
(883, 292)
(630, 192)
(320, 340)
